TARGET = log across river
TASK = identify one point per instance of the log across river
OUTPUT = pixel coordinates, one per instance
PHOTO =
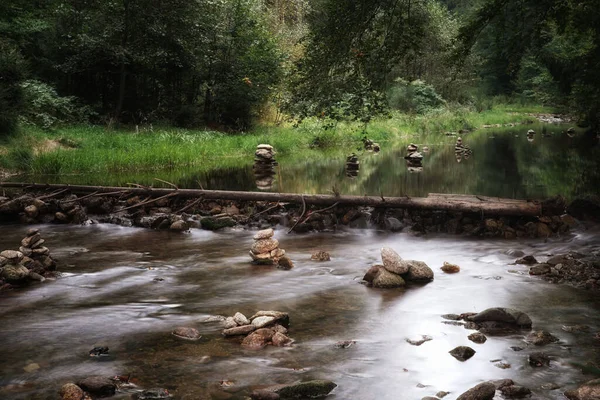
(445, 202)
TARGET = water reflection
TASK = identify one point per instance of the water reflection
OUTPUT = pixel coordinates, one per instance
(462, 151)
(414, 159)
(264, 166)
(352, 166)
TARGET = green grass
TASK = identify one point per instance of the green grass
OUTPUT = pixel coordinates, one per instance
(96, 150)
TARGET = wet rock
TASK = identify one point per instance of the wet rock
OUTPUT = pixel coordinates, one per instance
(515, 392)
(539, 360)
(418, 342)
(516, 348)
(179, 226)
(281, 317)
(310, 389)
(506, 315)
(15, 273)
(502, 383)
(263, 259)
(393, 262)
(450, 268)
(239, 330)
(393, 224)
(229, 323)
(418, 271)
(12, 256)
(540, 269)
(153, 394)
(186, 333)
(98, 386)
(387, 280)
(214, 223)
(502, 365)
(441, 394)
(258, 339)
(279, 328)
(345, 344)
(285, 263)
(543, 230)
(34, 276)
(588, 391)
(541, 338)
(263, 394)
(264, 246)
(483, 391)
(462, 353)
(372, 273)
(527, 260)
(261, 322)
(71, 391)
(320, 256)
(280, 340)
(575, 328)
(99, 351)
(477, 337)
(264, 234)
(452, 317)
(29, 240)
(241, 319)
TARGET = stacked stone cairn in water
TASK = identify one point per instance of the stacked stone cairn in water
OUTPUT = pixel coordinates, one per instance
(31, 262)
(352, 165)
(264, 166)
(266, 251)
(414, 159)
(395, 271)
(262, 329)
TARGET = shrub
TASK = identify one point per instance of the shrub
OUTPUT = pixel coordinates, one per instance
(416, 97)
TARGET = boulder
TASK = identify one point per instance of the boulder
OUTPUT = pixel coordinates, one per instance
(264, 234)
(393, 262)
(588, 391)
(15, 273)
(281, 317)
(483, 391)
(186, 333)
(258, 339)
(70, 391)
(98, 385)
(541, 338)
(264, 246)
(14, 257)
(506, 315)
(386, 280)
(450, 268)
(285, 263)
(320, 256)
(279, 339)
(310, 389)
(418, 271)
(462, 353)
(241, 319)
(540, 269)
(239, 330)
(477, 337)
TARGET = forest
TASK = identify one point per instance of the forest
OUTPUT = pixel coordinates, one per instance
(230, 65)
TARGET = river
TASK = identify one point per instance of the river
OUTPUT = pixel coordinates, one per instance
(108, 296)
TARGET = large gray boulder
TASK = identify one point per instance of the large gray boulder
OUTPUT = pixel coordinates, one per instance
(386, 280)
(418, 271)
(393, 262)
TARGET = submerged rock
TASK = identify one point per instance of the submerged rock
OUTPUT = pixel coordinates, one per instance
(483, 391)
(539, 360)
(462, 353)
(588, 391)
(320, 256)
(311, 389)
(541, 338)
(187, 333)
(505, 315)
(98, 386)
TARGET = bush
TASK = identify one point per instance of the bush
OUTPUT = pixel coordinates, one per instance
(416, 97)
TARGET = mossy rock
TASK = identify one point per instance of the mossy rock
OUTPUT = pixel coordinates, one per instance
(214, 224)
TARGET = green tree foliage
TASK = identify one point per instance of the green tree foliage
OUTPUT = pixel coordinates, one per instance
(11, 94)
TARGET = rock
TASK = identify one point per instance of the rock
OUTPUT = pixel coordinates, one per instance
(575, 328)
(393, 262)
(38, 244)
(264, 258)
(372, 273)
(32, 231)
(264, 246)
(36, 277)
(320, 256)
(31, 211)
(281, 317)
(387, 280)
(393, 224)
(258, 339)
(229, 323)
(588, 391)
(539, 360)
(477, 337)
(441, 395)
(462, 353)
(550, 386)
(15, 273)
(280, 340)
(344, 344)
(541, 338)
(29, 240)
(71, 391)
(279, 328)
(543, 230)
(585, 208)
(515, 392)
(277, 253)
(153, 394)
(527, 260)
(310, 389)
(14, 257)
(540, 269)
(261, 322)
(500, 383)
(179, 226)
(213, 223)
(186, 333)
(232, 210)
(502, 365)
(506, 315)
(418, 271)
(418, 342)
(98, 386)
(450, 268)
(241, 319)
(239, 330)
(452, 317)
(483, 391)
(263, 394)
(41, 251)
(264, 234)
(61, 217)
(285, 263)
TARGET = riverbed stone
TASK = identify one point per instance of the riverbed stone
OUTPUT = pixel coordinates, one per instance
(261, 322)
(320, 256)
(29, 240)
(541, 338)
(372, 273)
(264, 234)
(185, 332)
(418, 271)
(264, 258)
(263, 394)
(387, 280)
(515, 392)
(450, 268)
(71, 391)
(258, 339)
(418, 342)
(239, 330)
(506, 315)
(588, 391)
(98, 385)
(277, 253)
(540, 269)
(538, 360)
(179, 226)
(15, 273)
(229, 323)
(462, 353)
(279, 339)
(310, 389)
(14, 257)
(281, 317)
(527, 260)
(477, 337)
(483, 391)
(241, 319)
(285, 263)
(264, 246)
(393, 262)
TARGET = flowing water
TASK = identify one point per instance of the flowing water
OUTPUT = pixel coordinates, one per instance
(108, 296)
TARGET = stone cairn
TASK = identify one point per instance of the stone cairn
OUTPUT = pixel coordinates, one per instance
(371, 145)
(31, 262)
(260, 330)
(266, 251)
(264, 166)
(414, 159)
(395, 271)
(352, 165)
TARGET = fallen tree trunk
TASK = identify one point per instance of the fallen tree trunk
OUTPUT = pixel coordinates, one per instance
(458, 203)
